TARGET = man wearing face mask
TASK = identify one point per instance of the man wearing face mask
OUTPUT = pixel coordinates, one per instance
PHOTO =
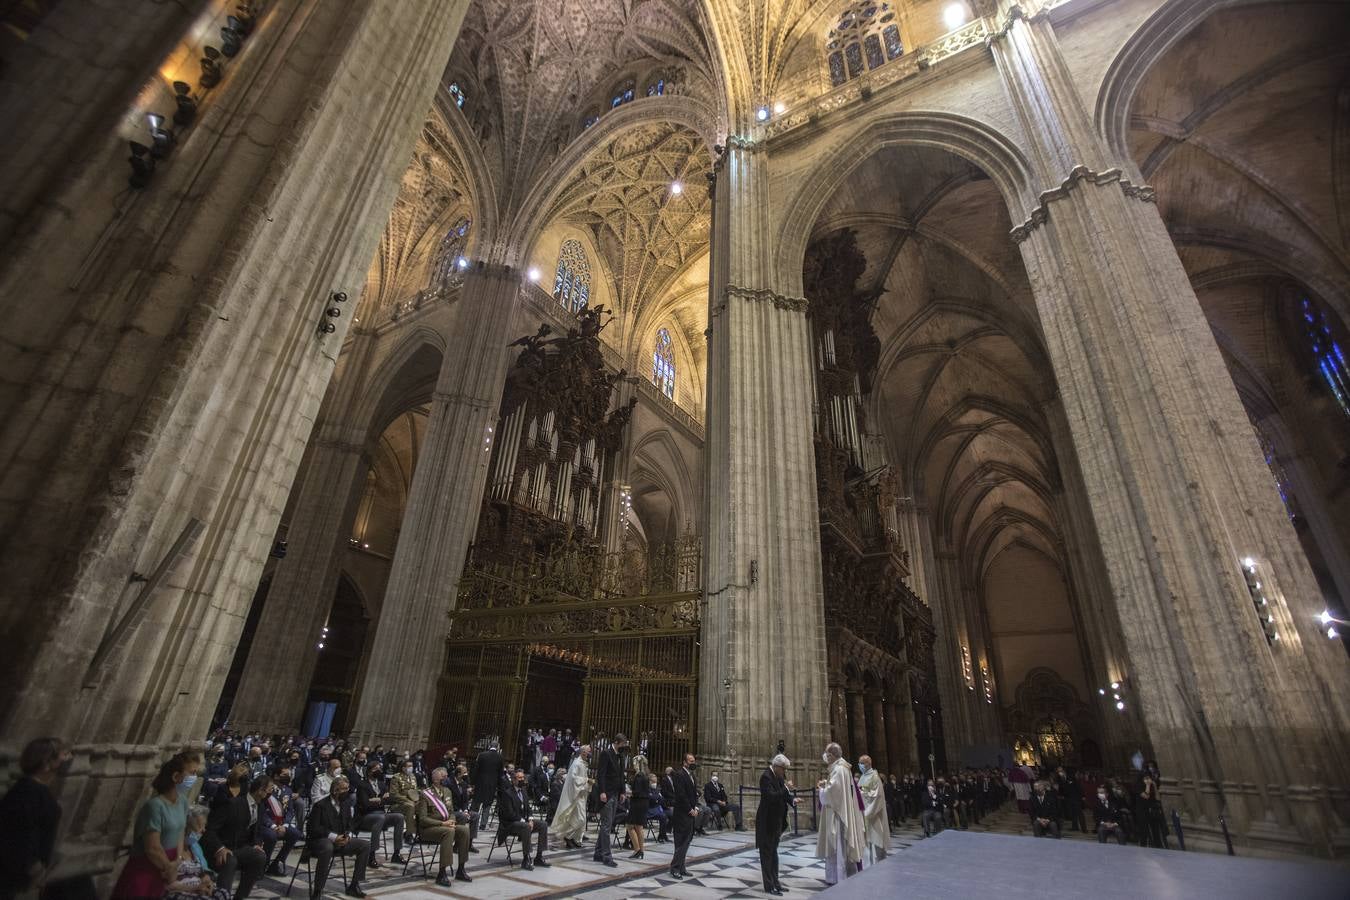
(715, 795)
(331, 832)
(29, 815)
(232, 841)
(437, 823)
(684, 813)
(371, 798)
(403, 795)
(839, 840)
(279, 824)
(876, 822)
(323, 782)
(609, 781)
(1107, 817)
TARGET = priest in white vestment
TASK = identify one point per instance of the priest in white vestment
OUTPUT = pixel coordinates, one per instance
(839, 840)
(569, 821)
(876, 819)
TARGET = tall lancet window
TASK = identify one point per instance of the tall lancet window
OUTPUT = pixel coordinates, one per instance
(1276, 470)
(865, 36)
(450, 254)
(663, 364)
(572, 283)
(1327, 351)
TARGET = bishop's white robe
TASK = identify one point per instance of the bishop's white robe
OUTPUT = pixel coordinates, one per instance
(876, 820)
(839, 840)
(569, 821)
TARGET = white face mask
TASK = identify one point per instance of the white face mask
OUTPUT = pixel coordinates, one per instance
(714, 779)
(825, 758)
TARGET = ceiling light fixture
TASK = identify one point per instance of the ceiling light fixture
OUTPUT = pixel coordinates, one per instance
(533, 274)
(676, 188)
(762, 114)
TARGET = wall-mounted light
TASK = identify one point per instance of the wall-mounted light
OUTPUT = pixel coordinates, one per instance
(779, 107)
(954, 16)
(462, 262)
(762, 114)
(533, 274)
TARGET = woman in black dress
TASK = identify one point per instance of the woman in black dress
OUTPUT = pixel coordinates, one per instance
(637, 810)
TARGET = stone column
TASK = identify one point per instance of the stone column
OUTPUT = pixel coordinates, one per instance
(902, 749)
(949, 627)
(762, 660)
(275, 682)
(162, 373)
(876, 733)
(1177, 489)
(857, 725)
(398, 692)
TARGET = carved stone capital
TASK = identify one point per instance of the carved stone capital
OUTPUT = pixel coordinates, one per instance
(793, 304)
(1079, 175)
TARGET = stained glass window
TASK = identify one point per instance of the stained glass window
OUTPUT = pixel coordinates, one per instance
(457, 93)
(872, 44)
(865, 37)
(891, 35)
(622, 95)
(1328, 353)
(449, 252)
(663, 364)
(837, 74)
(572, 282)
(589, 121)
(1276, 470)
(657, 88)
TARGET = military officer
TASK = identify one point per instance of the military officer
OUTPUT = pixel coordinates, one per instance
(436, 824)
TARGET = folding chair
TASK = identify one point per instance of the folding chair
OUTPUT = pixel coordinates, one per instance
(421, 847)
(510, 843)
(309, 870)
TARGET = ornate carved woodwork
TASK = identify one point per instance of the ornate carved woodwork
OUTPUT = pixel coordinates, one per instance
(552, 446)
(878, 630)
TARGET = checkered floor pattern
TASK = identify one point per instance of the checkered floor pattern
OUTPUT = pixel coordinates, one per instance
(722, 864)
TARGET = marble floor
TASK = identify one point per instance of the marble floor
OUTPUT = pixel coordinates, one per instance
(723, 864)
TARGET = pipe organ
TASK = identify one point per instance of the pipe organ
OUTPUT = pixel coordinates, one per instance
(555, 439)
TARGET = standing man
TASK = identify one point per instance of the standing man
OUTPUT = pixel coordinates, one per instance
(876, 822)
(684, 813)
(775, 796)
(840, 839)
(487, 776)
(513, 811)
(570, 818)
(609, 781)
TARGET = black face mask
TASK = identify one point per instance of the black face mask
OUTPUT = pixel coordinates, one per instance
(64, 769)
(283, 779)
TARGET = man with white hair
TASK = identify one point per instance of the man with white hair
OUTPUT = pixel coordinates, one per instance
(840, 839)
(876, 823)
(570, 819)
(775, 796)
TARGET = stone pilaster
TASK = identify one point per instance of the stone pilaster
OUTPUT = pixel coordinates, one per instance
(275, 682)
(762, 661)
(1178, 492)
(165, 375)
(407, 655)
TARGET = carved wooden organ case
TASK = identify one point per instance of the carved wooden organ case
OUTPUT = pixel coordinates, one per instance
(878, 629)
(554, 443)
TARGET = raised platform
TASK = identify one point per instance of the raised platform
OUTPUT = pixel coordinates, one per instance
(961, 865)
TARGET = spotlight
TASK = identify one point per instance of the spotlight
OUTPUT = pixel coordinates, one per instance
(762, 114)
(1102, 691)
(211, 70)
(534, 274)
(779, 108)
(462, 262)
(339, 296)
(676, 188)
(327, 328)
(1120, 704)
(1115, 685)
(1249, 563)
(320, 645)
(333, 312)
(1325, 617)
(1333, 633)
(954, 16)
(187, 106)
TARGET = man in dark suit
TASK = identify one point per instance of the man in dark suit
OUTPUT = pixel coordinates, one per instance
(1106, 815)
(609, 782)
(775, 796)
(331, 831)
(372, 798)
(513, 814)
(684, 812)
(1044, 812)
(232, 842)
(487, 776)
(715, 795)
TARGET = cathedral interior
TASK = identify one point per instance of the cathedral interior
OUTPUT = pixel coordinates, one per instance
(961, 381)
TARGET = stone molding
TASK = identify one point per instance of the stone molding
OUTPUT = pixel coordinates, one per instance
(793, 304)
(1079, 175)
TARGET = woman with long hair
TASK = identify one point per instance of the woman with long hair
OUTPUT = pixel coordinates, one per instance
(638, 806)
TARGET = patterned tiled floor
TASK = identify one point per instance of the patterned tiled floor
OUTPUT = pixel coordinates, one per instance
(722, 864)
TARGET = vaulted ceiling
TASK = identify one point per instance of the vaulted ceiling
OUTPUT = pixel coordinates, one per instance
(961, 380)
